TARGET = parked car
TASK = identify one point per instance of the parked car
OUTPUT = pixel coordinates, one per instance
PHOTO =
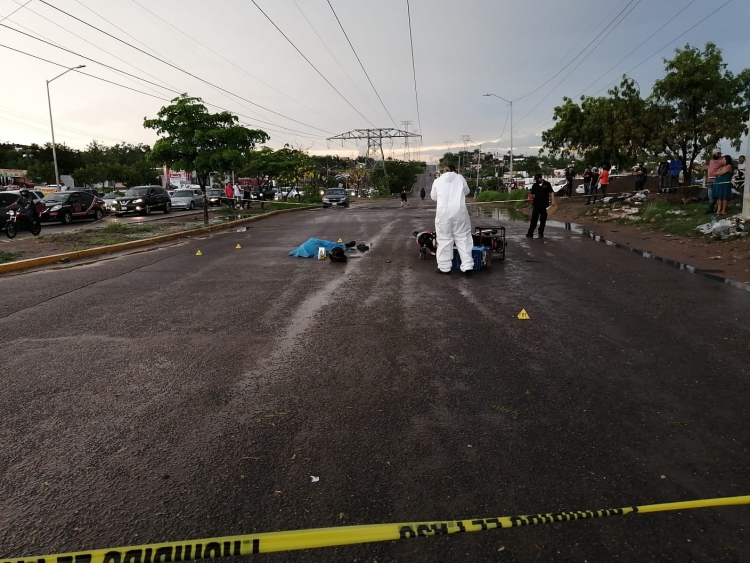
(335, 197)
(187, 199)
(288, 193)
(558, 186)
(36, 195)
(110, 199)
(143, 199)
(66, 206)
(263, 192)
(215, 196)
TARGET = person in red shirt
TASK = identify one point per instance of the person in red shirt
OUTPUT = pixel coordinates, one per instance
(229, 191)
(603, 181)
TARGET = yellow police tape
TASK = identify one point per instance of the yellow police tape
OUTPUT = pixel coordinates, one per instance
(228, 546)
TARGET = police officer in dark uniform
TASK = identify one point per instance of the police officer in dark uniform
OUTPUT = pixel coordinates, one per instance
(541, 192)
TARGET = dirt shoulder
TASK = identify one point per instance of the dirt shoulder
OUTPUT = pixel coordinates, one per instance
(670, 236)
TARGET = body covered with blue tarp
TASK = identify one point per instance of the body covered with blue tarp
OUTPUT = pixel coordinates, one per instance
(310, 248)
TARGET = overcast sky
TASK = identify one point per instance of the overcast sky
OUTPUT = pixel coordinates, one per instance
(462, 49)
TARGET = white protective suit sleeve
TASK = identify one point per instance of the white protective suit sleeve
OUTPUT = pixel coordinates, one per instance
(452, 221)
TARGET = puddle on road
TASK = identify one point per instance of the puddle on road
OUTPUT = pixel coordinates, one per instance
(511, 215)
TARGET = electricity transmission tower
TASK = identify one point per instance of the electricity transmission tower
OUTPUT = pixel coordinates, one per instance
(374, 139)
(407, 152)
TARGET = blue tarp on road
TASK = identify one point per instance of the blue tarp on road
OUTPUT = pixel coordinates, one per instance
(310, 248)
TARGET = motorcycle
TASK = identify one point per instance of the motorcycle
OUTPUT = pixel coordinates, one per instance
(18, 222)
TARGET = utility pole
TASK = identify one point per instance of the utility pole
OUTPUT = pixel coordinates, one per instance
(52, 127)
(511, 130)
(479, 164)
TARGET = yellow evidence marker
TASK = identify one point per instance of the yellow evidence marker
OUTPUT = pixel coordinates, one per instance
(238, 246)
(523, 315)
(199, 253)
(340, 241)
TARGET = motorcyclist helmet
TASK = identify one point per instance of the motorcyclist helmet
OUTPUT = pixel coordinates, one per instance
(24, 192)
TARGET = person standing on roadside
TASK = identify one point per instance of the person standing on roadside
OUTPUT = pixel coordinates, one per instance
(541, 192)
(603, 181)
(570, 175)
(675, 167)
(422, 193)
(713, 166)
(640, 177)
(723, 185)
(403, 197)
(587, 182)
(246, 197)
(452, 221)
(593, 186)
(663, 172)
(229, 193)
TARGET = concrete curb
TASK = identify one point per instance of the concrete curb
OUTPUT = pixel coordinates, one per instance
(54, 258)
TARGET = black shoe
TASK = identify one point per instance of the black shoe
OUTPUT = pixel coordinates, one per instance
(529, 235)
(439, 271)
(541, 235)
(468, 273)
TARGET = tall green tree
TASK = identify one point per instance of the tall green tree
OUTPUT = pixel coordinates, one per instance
(699, 103)
(193, 139)
(694, 106)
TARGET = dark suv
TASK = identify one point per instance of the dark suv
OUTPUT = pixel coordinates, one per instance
(66, 206)
(143, 199)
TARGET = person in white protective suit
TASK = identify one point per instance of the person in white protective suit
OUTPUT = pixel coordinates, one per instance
(452, 222)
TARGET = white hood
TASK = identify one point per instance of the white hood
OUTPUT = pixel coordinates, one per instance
(450, 191)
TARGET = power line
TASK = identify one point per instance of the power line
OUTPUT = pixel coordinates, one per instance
(310, 63)
(601, 34)
(290, 132)
(559, 72)
(641, 44)
(334, 58)
(647, 58)
(193, 39)
(82, 39)
(14, 11)
(180, 69)
(360, 62)
(413, 66)
(257, 116)
(673, 40)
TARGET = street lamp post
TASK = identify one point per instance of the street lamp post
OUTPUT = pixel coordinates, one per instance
(51, 126)
(511, 130)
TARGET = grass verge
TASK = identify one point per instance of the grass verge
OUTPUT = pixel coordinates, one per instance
(10, 256)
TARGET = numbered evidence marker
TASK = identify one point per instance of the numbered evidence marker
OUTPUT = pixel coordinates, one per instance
(238, 246)
(523, 315)
(199, 253)
(340, 241)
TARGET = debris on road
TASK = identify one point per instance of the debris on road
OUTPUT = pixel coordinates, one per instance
(314, 478)
(362, 247)
(337, 255)
(242, 229)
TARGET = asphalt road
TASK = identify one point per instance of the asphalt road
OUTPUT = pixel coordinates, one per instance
(160, 396)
